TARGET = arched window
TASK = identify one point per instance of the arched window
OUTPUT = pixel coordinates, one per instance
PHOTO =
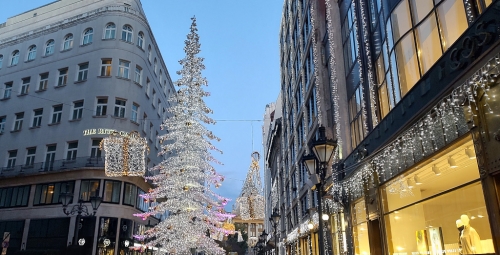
(31, 53)
(127, 33)
(161, 76)
(1, 60)
(14, 59)
(49, 47)
(156, 66)
(149, 53)
(68, 42)
(87, 36)
(140, 40)
(110, 31)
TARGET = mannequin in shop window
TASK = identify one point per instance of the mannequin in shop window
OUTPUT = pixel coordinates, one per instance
(469, 238)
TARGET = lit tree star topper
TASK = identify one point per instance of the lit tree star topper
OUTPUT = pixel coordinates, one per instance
(183, 181)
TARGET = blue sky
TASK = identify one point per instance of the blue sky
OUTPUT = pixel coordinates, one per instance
(240, 44)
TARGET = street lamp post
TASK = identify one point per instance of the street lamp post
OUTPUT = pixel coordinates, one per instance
(274, 219)
(316, 164)
(78, 209)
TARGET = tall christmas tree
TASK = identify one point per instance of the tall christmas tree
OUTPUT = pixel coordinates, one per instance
(184, 180)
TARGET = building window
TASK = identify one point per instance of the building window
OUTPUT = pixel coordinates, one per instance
(2, 124)
(44, 81)
(144, 122)
(25, 86)
(129, 194)
(123, 69)
(151, 134)
(155, 66)
(142, 204)
(102, 106)
(159, 107)
(56, 114)
(77, 110)
(138, 75)
(1, 60)
(161, 77)
(135, 113)
(157, 141)
(356, 118)
(50, 156)
(8, 90)
(48, 193)
(14, 196)
(37, 118)
(31, 53)
(95, 151)
(148, 84)
(112, 191)
(14, 58)
(62, 77)
(87, 36)
(110, 31)
(72, 150)
(127, 33)
(106, 67)
(120, 108)
(83, 70)
(89, 188)
(154, 99)
(49, 47)
(150, 55)
(18, 124)
(11, 159)
(30, 156)
(67, 42)
(140, 40)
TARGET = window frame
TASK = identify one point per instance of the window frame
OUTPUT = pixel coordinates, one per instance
(31, 55)
(120, 109)
(127, 33)
(83, 72)
(56, 114)
(77, 111)
(101, 107)
(109, 31)
(87, 36)
(67, 42)
(49, 47)
(37, 118)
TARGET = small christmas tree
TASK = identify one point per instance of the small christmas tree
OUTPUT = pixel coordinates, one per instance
(183, 181)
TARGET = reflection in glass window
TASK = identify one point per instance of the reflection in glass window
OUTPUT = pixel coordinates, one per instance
(401, 20)
(112, 191)
(48, 193)
(420, 9)
(89, 188)
(451, 15)
(407, 63)
(429, 46)
(129, 194)
(360, 228)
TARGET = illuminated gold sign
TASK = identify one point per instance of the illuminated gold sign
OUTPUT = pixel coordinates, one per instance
(102, 131)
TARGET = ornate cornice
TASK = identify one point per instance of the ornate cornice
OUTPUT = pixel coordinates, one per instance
(72, 21)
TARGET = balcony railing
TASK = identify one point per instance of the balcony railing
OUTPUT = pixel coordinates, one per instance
(52, 166)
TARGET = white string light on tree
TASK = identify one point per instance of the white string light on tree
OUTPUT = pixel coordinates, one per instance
(183, 182)
(250, 203)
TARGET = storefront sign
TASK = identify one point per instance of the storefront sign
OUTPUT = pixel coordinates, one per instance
(102, 131)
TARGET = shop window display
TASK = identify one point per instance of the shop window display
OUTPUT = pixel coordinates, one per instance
(360, 228)
(438, 207)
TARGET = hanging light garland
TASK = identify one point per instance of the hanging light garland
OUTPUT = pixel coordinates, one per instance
(125, 155)
(440, 126)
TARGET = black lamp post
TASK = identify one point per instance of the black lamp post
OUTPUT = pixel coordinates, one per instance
(78, 209)
(316, 164)
(274, 219)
